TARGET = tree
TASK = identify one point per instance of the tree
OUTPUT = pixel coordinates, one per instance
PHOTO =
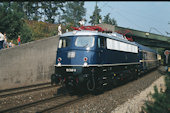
(28, 10)
(74, 12)
(26, 33)
(36, 12)
(52, 9)
(108, 20)
(31, 10)
(12, 21)
(96, 16)
(60, 10)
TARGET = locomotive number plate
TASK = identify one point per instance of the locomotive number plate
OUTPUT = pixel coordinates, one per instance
(70, 70)
(71, 54)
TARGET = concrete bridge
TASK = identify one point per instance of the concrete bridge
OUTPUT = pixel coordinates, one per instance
(144, 38)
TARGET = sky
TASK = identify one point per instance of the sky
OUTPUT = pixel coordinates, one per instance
(152, 16)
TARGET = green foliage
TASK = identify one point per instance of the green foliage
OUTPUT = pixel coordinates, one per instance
(68, 26)
(28, 6)
(41, 29)
(52, 9)
(36, 11)
(41, 10)
(26, 34)
(74, 13)
(161, 103)
(14, 18)
(96, 16)
(32, 10)
(108, 20)
(12, 21)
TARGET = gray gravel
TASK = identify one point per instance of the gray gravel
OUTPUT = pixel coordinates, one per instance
(110, 100)
(135, 104)
(12, 101)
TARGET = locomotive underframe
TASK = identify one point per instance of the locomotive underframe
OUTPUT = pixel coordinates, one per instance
(94, 77)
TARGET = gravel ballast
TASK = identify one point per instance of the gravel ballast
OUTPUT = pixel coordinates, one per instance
(135, 104)
(115, 100)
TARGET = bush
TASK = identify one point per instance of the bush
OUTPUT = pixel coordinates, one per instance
(41, 29)
(161, 103)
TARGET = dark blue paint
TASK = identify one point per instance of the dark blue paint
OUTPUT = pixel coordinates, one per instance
(95, 55)
(143, 55)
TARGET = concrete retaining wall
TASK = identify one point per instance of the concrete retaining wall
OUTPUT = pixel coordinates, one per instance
(28, 64)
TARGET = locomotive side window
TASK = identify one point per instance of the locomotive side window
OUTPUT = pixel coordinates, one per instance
(121, 46)
(84, 41)
(64, 42)
(101, 42)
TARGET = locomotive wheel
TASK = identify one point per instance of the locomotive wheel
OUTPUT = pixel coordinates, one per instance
(54, 80)
(71, 89)
(90, 85)
(115, 83)
(99, 88)
(100, 85)
(139, 73)
(136, 75)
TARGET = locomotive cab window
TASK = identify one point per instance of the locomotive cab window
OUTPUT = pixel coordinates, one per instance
(84, 41)
(101, 42)
(64, 42)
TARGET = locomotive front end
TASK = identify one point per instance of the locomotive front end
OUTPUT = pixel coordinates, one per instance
(74, 55)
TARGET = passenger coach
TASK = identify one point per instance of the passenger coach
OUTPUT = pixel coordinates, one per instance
(148, 58)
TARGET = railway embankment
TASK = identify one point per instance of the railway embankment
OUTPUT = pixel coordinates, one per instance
(135, 104)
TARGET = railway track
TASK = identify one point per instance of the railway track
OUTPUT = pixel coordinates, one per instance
(46, 105)
(25, 89)
(64, 104)
(54, 101)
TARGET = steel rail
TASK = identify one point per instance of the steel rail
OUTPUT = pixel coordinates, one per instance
(23, 87)
(14, 109)
(56, 107)
(25, 91)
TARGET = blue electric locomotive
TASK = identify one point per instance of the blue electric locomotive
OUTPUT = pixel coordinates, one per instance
(91, 60)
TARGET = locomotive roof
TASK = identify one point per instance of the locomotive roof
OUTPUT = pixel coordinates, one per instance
(87, 32)
(141, 47)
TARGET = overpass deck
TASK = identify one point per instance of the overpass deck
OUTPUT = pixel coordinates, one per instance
(145, 38)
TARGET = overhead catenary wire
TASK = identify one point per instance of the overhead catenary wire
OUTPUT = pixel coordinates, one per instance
(119, 13)
(144, 17)
(126, 18)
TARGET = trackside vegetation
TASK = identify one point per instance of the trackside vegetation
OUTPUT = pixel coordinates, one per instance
(161, 100)
(34, 20)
